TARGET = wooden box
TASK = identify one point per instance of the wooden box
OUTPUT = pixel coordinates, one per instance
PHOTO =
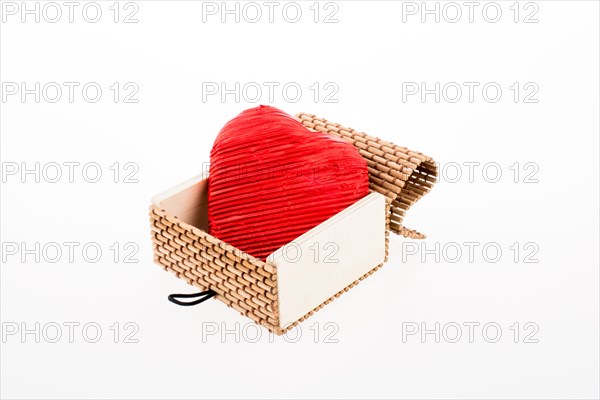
(305, 275)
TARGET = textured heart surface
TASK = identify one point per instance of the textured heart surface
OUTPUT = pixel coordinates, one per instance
(271, 180)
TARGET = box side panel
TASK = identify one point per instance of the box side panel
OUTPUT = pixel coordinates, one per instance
(330, 257)
(203, 261)
(351, 285)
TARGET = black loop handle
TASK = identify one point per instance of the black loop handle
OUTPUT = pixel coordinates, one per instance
(203, 297)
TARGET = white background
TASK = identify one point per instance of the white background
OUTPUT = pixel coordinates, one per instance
(359, 350)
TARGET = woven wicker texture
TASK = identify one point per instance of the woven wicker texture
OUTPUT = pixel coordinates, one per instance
(241, 281)
(402, 175)
(245, 283)
(250, 285)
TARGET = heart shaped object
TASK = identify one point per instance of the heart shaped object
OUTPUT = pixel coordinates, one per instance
(271, 180)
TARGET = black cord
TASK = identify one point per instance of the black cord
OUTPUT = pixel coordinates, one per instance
(203, 297)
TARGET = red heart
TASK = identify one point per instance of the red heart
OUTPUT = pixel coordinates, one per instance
(271, 180)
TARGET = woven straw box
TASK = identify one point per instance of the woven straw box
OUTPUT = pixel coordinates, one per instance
(294, 282)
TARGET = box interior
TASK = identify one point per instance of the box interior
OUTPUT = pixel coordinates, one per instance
(188, 202)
